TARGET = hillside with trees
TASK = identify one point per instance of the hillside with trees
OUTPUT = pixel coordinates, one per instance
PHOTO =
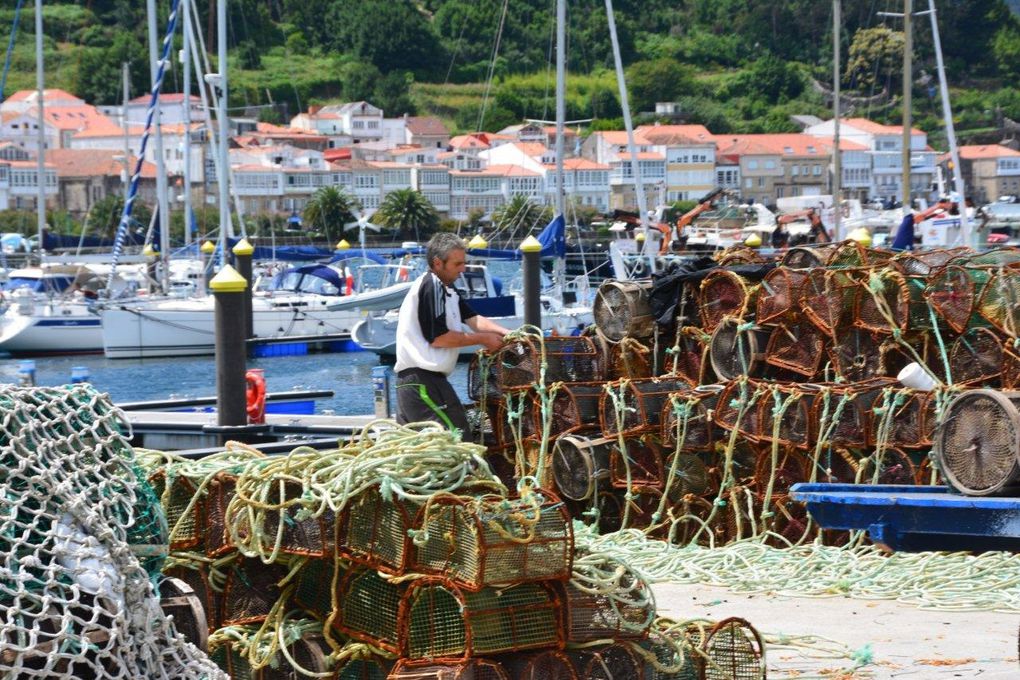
(733, 65)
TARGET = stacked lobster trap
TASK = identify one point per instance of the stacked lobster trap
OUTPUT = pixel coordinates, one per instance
(352, 564)
(700, 404)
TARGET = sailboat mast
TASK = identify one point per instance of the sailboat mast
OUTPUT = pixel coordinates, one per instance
(161, 183)
(224, 125)
(561, 106)
(126, 79)
(186, 63)
(837, 156)
(966, 235)
(908, 79)
(40, 84)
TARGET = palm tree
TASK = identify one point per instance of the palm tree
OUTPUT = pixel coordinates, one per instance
(329, 209)
(408, 211)
(520, 212)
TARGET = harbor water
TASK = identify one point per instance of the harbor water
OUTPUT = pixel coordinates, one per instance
(348, 374)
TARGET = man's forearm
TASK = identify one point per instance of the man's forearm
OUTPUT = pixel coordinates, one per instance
(456, 339)
(482, 324)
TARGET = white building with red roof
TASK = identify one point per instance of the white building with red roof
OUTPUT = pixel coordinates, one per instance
(611, 148)
(988, 170)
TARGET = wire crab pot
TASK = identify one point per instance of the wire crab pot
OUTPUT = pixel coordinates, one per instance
(490, 540)
(251, 590)
(310, 651)
(547, 665)
(976, 357)
(439, 620)
(738, 349)
(953, 292)
(675, 655)
(219, 493)
(621, 310)
(296, 535)
(196, 576)
(483, 382)
(637, 463)
(828, 298)
(313, 586)
(807, 257)
(734, 650)
(891, 465)
(630, 407)
(373, 531)
(913, 422)
(850, 254)
(621, 609)
(736, 255)
(924, 262)
(580, 463)
(368, 609)
(615, 662)
(179, 600)
(857, 355)
(791, 466)
(468, 669)
(188, 526)
(688, 414)
(690, 522)
(572, 407)
(688, 358)
(903, 296)
(531, 360)
(629, 359)
(797, 347)
(725, 294)
(798, 423)
(999, 303)
(977, 442)
(612, 505)
(737, 408)
(844, 411)
(372, 668)
(780, 296)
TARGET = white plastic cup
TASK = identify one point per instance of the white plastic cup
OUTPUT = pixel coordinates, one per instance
(916, 378)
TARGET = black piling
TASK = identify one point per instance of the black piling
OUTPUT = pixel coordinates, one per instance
(228, 287)
(532, 250)
(242, 260)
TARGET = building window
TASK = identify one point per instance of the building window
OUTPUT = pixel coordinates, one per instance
(748, 183)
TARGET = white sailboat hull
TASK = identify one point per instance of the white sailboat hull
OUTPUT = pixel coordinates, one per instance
(55, 328)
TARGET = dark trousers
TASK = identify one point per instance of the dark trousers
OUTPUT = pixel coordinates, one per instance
(427, 395)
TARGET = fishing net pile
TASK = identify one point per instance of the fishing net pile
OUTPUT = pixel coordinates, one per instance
(82, 541)
(401, 555)
(698, 399)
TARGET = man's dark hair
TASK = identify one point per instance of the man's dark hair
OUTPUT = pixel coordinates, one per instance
(441, 245)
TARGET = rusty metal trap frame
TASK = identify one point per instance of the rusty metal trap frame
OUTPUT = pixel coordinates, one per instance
(313, 586)
(890, 465)
(530, 360)
(953, 292)
(999, 302)
(638, 462)
(924, 262)
(629, 358)
(691, 521)
(977, 357)
(857, 355)
(786, 414)
(468, 669)
(687, 414)
(196, 576)
(295, 534)
(686, 474)
(738, 349)
(737, 408)
(178, 599)
(688, 357)
(518, 414)
(606, 600)
(612, 506)
(621, 310)
(310, 651)
(901, 297)
(913, 418)
(439, 620)
(829, 296)
(572, 407)
(368, 609)
(734, 650)
(845, 411)
(675, 655)
(978, 440)
(725, 294)
(796, 346)
(491, 540)
(251, 590)
(780, 296)
(614, 662)
(219, 493)
(807, 257)
(372, 530)
(630, 407)
(580, 462)
(791, 466)
(185, 515)
(551, 664)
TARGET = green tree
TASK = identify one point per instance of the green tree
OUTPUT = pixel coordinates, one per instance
(657, 81)
(1006, 48)
(408, 212)
(328, 210)
(521, 213)
(104, 217)
(393, 94)
(774, 79)
(359, 80)
(391, 34)
(876, 57)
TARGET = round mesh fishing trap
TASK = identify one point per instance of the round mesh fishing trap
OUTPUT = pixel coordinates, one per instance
(738, 349)
(787, 415)
(439, 620)
(469, 669)
(725, 294)
(688, 357)
(807, 257)
(891, 465)
(179, 600)
(889, 301)
(828, 298)
(675, 656)
(637, 462)
(251, 590)
(621, 310)
(735, 255)
(953, 293)
(606, 600)
(368, 608)
(737, 408)
(998, 257)
(687, 415)
(857, 355)
(580, 463)
(850, 254)
(572, 407)
(531, 360)
(790, 524)
(630, 359)
(187, 519)
(630, 407)
(924, 262)
(686, 474)
(976, 357)
(615, 662)
(490, 540)
(913, 419)
(789, 467)
(844, 411)
(999, 303)
(196, 576)
(796, 346)
(977, 442)
(483, 380)
(734, 651)
(780, 295)
(690, 522)
(373, 531)
(548, 665)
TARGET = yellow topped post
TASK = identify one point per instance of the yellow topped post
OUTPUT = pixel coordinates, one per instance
(532, 249)
(342, 244)
(477, 242)
(208, 247)
(228, 280)
(243, 251)
(243, 247)
(228, 287)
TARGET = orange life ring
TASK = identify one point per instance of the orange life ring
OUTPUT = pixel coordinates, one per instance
(255, 393)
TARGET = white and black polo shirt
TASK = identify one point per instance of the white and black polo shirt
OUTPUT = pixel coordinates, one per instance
(429, 310)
